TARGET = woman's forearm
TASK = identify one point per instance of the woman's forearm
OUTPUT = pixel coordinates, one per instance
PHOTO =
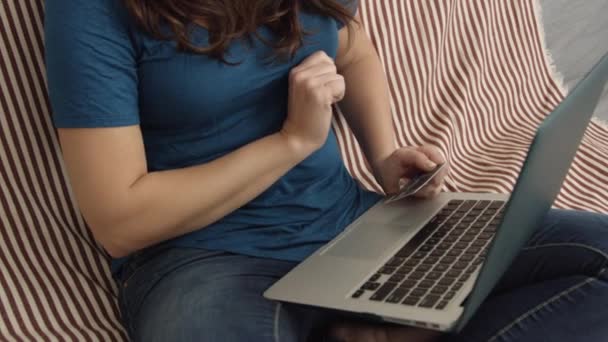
(164, 205)
(366, 105)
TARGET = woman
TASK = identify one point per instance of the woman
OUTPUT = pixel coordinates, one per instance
(197, 137)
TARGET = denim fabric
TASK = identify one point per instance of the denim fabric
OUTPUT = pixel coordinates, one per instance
(556, 290)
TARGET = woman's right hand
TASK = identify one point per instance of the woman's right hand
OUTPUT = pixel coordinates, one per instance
(314, 86)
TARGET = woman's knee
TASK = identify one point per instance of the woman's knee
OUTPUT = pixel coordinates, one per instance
(223, 310)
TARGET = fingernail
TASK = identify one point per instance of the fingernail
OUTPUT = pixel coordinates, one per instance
(431, 165)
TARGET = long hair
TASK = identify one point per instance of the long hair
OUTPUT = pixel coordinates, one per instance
(229, 20)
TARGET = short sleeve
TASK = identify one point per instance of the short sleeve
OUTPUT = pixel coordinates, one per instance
(91, 64)
(352, 6)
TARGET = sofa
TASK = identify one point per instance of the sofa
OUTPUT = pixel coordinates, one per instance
(471, 77)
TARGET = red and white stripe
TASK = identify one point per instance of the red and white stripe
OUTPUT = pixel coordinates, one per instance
(471, 77)
(474, 79)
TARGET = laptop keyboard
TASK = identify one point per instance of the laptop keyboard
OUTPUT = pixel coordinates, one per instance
(430, 269)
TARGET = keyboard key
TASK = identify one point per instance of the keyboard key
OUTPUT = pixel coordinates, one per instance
(460, 265)
(433, 276)
(383, 291)
(442, 305)
(475, 212)
(396, 278)
(370, 286)
(450, 223)
(432, 242)
(418, 292)
(358, 294)
(395, 262)
(453, 273)
(439, 235)
(454, 252)
(419, 255)
(408, 284)
(461, 226)
(485, 236)
(473, 250)
(423, 268)
(482, 204)
(467, 258)
(461, 245)
(446, 282)
(416, 275)
(484, 218)
(396, 296)
(439, 290)
(478, 225)
(441, 268)
(444, 246)
(406, 251)
(457, 286)
(471, 269)
(490, 229)
(457, 215)
(468, 204)
(474, 231)
(448, 260)
(426, 248)
(464, 277)
(438, 253)
(412, 263)
(411, 301)
(429, 301)
(450, 295)
(467, 238)
(468, 219)
(444, 230)
(431, 260)
(387, 270)
(375, 277)
(451, 238)
(497, 204)
(404, 270)
(426, 284)
(479, 243)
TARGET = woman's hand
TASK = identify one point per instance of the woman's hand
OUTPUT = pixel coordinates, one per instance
(314, 86)
(405, 163)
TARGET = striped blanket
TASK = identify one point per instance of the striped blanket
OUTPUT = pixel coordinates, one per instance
(471, 77)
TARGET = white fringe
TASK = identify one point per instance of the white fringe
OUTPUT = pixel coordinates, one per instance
(559, 78)
(555, 73)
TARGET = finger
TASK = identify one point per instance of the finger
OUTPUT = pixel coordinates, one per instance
(333, 83)
(409, 158)
(433, 153)
(337, 88)
(428, 192)
(439, 179)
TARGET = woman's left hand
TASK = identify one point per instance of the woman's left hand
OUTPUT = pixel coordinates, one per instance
(405, 163)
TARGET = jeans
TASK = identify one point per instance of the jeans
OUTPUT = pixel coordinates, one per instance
(555, 290)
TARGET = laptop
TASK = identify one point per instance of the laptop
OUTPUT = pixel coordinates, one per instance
(431, 263)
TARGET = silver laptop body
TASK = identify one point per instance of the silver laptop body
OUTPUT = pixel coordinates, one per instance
(334, 275)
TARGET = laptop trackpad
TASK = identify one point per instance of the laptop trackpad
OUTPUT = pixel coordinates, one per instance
(368, 240)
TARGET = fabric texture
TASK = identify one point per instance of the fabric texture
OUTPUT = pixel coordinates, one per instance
(471, 76)
(193, 109)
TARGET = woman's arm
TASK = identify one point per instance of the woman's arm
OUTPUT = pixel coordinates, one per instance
(128, 208)
(366, 105)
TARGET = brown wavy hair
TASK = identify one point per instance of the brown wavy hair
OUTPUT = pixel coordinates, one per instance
(229, 20)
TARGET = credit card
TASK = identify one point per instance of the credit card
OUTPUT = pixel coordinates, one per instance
(415, 184)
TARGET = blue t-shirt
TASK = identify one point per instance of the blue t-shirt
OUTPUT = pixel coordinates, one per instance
(192, 109)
